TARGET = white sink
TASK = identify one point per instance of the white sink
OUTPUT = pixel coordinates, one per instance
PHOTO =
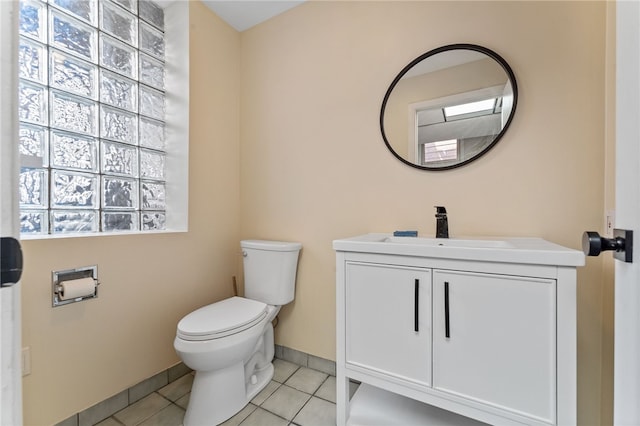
(449, 242)
(493, 249)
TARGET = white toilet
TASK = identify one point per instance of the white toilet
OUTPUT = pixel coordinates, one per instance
(229, 343)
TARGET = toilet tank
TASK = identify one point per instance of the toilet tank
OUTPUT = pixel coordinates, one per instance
(270, 270)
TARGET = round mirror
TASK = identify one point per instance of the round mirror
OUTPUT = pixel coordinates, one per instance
(448, 107)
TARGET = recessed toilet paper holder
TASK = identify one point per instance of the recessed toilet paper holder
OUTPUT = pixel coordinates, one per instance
(68, 276)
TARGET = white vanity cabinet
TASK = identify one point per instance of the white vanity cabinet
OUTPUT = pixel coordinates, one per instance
(485, 334)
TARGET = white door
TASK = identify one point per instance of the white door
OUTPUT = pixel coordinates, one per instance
(389, 307)
(10, 323)
(627, 286)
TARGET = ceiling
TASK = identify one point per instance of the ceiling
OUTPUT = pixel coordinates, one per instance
(244, 14)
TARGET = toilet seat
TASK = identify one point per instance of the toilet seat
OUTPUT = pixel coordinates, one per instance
(220, 319)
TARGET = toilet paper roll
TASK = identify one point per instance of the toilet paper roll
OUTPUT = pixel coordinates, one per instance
(77, 288)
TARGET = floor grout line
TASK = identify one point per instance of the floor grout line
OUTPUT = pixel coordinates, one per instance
(112, 420)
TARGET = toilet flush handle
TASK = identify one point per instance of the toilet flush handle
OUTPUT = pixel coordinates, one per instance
(244, 253)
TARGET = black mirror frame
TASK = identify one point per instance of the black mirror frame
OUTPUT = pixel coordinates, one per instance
(457, 46)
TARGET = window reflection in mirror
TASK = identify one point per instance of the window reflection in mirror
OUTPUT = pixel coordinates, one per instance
(448, 107)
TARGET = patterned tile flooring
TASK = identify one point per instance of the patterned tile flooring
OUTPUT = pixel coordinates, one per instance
(295, 396)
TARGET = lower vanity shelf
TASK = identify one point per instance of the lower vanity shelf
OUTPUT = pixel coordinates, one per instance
(493, 341)
(371, 406)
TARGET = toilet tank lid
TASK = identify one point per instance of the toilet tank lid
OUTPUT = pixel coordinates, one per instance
(270, 245)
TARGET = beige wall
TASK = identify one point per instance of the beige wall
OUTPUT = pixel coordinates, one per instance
(314, 167)
(86, 352)
(285, 144)
(609, 205)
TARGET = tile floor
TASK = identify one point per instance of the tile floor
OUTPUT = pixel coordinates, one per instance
(296, 396)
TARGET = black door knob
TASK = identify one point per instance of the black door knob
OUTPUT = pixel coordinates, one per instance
(621, 243)
(10, 261)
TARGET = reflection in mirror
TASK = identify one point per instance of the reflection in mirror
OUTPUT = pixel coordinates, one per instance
(448, 107)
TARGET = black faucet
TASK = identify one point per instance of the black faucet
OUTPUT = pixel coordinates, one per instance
(442, 225)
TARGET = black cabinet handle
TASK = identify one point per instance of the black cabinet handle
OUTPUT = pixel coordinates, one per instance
(447, 330)
(416, 305)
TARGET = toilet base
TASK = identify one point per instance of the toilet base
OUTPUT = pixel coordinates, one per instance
(218, 395)
(263, 377)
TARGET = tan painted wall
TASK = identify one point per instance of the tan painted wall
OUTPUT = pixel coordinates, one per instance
(609, 205)
(314, 167)
(86, 352)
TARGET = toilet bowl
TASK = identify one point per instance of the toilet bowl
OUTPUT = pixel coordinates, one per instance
(218, 341)
(229, 344)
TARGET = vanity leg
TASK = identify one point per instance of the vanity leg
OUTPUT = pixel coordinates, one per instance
(342, 398)
(567, 392)
(342, 381)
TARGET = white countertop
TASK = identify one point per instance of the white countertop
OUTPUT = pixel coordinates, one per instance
(493, 249)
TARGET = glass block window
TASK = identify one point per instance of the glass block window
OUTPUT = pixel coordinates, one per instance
(92, 116)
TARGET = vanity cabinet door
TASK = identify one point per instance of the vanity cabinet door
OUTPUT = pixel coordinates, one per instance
(495, 341)
(388, 320)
